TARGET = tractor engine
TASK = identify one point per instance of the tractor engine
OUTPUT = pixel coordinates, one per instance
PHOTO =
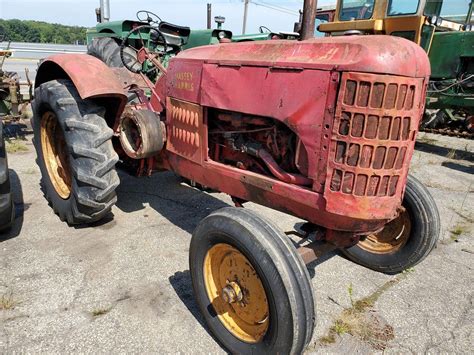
(322, 129)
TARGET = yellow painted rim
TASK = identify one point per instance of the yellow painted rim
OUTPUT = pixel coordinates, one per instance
(392, 238)
(236, 293)
(55, 154)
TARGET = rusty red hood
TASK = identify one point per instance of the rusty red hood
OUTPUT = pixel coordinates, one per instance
(368, 54)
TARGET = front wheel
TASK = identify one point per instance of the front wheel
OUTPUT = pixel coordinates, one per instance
(250, 284)
(405, 241)
(75, 153)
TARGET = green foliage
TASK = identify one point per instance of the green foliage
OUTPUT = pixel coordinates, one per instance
(41, 32)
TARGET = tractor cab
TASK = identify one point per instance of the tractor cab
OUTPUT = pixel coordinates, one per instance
(416, 20)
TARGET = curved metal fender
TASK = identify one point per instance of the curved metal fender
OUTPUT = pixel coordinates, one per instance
(91, 77)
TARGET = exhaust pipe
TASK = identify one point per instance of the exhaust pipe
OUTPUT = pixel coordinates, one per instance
(308, 25)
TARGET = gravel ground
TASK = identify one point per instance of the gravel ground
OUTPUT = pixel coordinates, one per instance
(124, 285)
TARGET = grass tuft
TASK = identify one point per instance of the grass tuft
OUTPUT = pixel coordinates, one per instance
(100, 311)
(7, 302)
(360, 320)
(16, 146)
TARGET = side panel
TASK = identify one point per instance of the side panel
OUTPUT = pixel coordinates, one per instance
(186, 131)
(295, 97)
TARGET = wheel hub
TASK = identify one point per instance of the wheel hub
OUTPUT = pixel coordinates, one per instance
(55, 154)
(390, 239)
(236, 293)
(232, 293)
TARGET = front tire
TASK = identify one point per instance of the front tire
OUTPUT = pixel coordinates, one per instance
(251, 285)
(407, 240)
(75, 153)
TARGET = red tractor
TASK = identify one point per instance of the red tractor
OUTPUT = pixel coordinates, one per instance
(322, 129)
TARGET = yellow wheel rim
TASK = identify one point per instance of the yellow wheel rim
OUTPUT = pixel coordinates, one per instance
(391, 239)
(55, 154)
(236, 293)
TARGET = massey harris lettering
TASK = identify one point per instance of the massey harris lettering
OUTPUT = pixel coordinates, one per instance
(184, 81)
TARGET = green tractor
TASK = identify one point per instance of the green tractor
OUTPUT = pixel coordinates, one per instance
(444, 30)
(119, 43)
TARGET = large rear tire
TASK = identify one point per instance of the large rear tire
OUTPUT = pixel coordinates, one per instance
(108, 50)
(75, 153)
(407, 240)
(251, 285)
(7, 211)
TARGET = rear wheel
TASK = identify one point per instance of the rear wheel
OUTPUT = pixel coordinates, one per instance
(7, 211)
(250, 284)
(405, 241)
(75, 153)
(108, 50)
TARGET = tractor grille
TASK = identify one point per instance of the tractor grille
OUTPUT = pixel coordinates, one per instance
(375, 126)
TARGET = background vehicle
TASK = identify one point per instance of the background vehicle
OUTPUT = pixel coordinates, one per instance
(444, 30)
(12, 102)
(105, 40)
(248, 120)
(7, 210)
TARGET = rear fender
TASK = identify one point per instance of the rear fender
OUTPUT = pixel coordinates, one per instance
(91, 77)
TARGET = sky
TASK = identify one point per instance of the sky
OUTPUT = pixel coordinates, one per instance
(190, 13)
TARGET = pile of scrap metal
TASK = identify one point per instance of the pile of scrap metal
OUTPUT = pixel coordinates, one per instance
(13, 104)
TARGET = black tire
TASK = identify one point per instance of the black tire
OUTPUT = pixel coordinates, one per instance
(108, 50)
(88, 148)
(281, 270)
(7, 210)
(424, 233)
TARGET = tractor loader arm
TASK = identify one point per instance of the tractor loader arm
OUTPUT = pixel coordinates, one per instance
(91, 77)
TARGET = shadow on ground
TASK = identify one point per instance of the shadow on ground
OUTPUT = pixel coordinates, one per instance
(182, 205)
(455, 154)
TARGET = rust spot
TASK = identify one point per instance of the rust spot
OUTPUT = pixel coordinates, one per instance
(345, 124)
(373, 185)
(384, 130)
(361, 185)
(372, 127)
(410, 98)
(401, 158)
(348, 183)
(379, 157)
(396, 123)
(351, 88)
(377, 95)
(384, 186)
(353, 155)
(358, 125)
(391, 156)
(366, 156)
(406, 128)
(336, 180)
(364, 94)
(393, 185)
(402, 96)
(340, 152)
(391, 97)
